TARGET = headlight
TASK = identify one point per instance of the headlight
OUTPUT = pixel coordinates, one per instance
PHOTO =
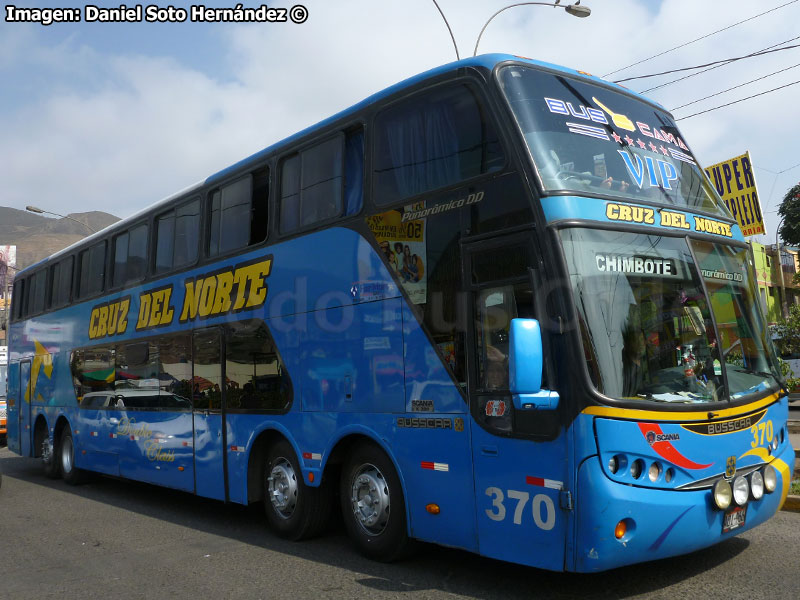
(741, 490)
(654, 471)
(756, 485)
(770, 479)
(637, 467)
(774, 443)
(613, 465)
(722, 494)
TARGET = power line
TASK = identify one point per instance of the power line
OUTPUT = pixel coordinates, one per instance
(735, 87)
(712, 68)
(698, 39)
(737, 101)
(716, 62)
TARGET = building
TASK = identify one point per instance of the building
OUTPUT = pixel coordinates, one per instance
(776, 277)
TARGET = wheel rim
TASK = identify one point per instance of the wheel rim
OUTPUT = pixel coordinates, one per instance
(283, 488)
(47, 452)
(370, 499)
(66, 455)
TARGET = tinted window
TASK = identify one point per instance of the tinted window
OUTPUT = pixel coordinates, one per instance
(38, 292)
(187, 234)
(120, 259)
(64, 287)
(177, 237)
(137, 253)
(430, 141)
(207, 370)
(312, 184)
(92, 270)
(238, 213)
(254, 375)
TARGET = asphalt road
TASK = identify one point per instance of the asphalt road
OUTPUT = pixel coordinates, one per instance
(116, 539)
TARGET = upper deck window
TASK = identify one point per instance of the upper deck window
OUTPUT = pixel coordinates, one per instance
(178, 236)
(238, 213)
(130, 255)
(60, 283)
(430, 141)
(312, 185)
(590, 140)
(92, 265)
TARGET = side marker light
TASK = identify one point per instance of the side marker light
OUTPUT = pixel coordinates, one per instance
(433, 509)
(620, 529)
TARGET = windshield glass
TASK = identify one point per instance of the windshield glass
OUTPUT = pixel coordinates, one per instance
(647, 328)
(586, 138)
(729, 277)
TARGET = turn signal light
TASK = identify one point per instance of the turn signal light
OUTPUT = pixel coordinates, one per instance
(620, 529)
(432, 509)
(310, 478)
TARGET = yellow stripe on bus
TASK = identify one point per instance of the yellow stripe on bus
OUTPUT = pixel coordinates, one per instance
(694, 415)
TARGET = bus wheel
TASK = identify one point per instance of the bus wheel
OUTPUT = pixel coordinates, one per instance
(71, 474)
(373, 508)
(50, 461)
(294, 510)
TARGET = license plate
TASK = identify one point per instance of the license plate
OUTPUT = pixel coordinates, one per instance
(734, 519)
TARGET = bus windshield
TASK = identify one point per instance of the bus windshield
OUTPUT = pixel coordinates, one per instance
(647, 325)
(586, 138)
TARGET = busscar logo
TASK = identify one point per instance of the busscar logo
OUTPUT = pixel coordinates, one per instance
(729, 426)
(653, 437)
(423, 423)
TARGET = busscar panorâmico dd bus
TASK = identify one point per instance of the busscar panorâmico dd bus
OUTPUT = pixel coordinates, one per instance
(497, 306)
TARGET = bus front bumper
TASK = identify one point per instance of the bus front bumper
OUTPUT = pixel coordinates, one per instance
(658, 523)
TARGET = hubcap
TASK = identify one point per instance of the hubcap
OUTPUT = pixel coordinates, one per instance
(66, 455)
(47, 452)
(282, 488)
(370, 499)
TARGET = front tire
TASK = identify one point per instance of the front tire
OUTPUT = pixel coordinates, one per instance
(373, 506)
(69, 472)
(294, 510)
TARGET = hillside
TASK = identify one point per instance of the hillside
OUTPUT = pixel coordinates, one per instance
(37, 237)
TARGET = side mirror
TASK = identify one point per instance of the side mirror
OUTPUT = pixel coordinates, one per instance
(525, 364)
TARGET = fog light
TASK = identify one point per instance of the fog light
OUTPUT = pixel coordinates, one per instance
(770, 478)
(620, 529)
(722, 494)
(774, 443)
(654, 472)
(756, 485)
(741, 491)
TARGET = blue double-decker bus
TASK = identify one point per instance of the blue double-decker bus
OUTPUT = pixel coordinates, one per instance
(497, 306)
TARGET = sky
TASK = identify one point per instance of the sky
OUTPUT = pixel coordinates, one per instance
(116, 116)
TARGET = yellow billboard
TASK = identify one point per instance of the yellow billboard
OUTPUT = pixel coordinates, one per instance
(735, 182)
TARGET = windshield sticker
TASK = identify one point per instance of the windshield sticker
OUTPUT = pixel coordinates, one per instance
(724, 275)
(643, 170)
(644, 265)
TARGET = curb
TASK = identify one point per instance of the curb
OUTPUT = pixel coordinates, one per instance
(792, 503)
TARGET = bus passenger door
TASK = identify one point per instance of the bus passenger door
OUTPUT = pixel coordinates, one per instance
(209, 417)
(520, 456)
(24, 403)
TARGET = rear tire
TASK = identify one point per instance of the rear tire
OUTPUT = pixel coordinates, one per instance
(373, 506)
(294, 510)
(69, 472)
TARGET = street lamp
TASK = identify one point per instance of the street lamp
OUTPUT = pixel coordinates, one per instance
(576, 10)
(39, 211)
(784, 304)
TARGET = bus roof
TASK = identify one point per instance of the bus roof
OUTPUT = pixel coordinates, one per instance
(487, 61)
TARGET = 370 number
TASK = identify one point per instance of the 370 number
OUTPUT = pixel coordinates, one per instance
(761, 431)
(544, 511)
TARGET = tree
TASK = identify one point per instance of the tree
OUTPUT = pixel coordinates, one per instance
(789, 210)
(787, 331)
